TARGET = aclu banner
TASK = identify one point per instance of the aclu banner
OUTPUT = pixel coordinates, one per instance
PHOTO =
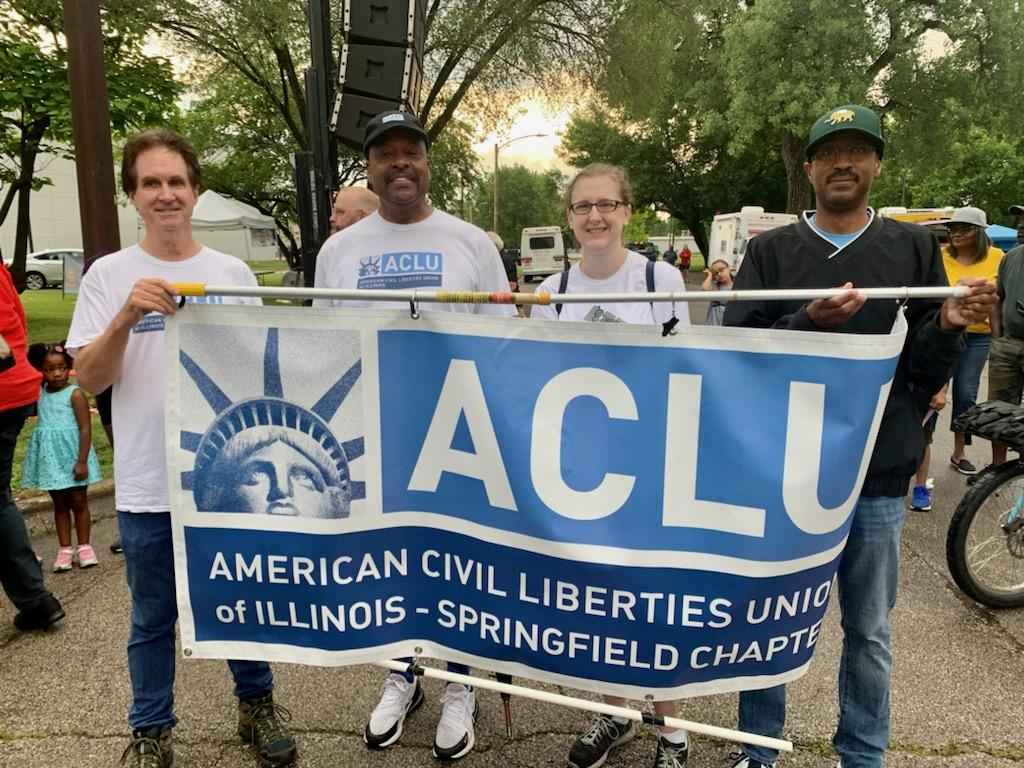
(587, 504)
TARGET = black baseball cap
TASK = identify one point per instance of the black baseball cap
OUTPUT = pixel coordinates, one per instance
(387, 121)
(1016, 210)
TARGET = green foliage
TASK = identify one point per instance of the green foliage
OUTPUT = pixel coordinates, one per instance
(637, 229)
(35, 100)
(526, 199)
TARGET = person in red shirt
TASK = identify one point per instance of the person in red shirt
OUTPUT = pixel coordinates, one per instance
(20, 573)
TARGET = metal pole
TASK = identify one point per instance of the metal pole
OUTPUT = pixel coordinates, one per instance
(713, 731)
(90, 121)
(416, 296)
(495, 222)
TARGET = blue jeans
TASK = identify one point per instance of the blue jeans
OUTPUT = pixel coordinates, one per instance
(149, 564)
(868, 577)
(967, 372)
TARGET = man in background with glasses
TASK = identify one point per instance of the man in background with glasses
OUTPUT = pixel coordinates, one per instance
(844, 243)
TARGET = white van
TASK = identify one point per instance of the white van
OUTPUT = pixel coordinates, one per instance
(542, 252)
(730, 232)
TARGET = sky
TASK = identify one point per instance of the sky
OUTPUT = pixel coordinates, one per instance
(537, 154)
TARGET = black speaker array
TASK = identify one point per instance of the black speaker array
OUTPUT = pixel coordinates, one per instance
(381, 63)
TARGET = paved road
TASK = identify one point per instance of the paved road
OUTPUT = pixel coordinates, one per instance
(958, 693)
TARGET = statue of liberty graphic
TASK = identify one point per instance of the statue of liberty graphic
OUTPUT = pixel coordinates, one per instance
(268, 455)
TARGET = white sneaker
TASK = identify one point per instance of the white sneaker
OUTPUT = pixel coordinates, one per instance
(455, 736)
(398, 698)
(742, 761)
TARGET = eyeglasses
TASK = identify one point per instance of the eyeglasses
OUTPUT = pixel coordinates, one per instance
(831, 152)
(583, 208)
(960, 229)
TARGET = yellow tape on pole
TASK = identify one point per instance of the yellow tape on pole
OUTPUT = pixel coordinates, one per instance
(189, 289)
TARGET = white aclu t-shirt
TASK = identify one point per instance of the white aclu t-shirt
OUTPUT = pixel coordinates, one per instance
(140, 465)
(631, 277)
(440, 253)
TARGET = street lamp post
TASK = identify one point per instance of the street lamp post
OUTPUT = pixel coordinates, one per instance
(498, 146)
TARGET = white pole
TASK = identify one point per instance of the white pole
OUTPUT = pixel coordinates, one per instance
(714, 731)
(451, 297)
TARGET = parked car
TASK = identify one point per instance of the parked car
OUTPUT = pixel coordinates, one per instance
(45, 269)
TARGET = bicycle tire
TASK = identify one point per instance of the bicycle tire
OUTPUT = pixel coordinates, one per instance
(958, 538)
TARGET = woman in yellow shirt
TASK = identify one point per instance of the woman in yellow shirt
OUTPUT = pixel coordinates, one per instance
(970, 254)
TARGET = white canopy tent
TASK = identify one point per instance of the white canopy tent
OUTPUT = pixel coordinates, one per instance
(232, 227)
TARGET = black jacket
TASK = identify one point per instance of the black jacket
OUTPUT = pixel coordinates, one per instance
(887, 254)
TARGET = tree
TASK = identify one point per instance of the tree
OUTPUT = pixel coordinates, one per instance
(743, 75)
(35, 101)
(527, 199)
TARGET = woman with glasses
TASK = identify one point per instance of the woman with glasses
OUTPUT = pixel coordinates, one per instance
(599, 202)
(970, 253)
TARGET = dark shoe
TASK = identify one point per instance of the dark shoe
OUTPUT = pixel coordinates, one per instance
(116, 547)
(963, 466)
(671, 755)
(592, 748)
(43, 615)
(150, 749)
(261, 723)
(742, 761)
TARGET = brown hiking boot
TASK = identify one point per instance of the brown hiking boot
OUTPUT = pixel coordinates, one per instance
(149, 749)
(261, 723)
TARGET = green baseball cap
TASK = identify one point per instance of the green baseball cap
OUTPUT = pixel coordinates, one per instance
(851, 117)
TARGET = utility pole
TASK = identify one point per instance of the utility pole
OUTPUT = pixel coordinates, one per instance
(90, 120)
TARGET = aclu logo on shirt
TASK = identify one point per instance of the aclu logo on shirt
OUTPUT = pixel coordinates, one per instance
(154, 321)
(403, 269)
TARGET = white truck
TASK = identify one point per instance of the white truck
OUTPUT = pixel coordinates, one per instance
(730, 233)
(542, 252)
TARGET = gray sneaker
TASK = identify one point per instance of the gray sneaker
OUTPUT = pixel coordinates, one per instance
(149, 749)
(592, 748)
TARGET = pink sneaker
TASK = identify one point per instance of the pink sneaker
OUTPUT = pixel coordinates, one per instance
(87, 556)
(63, 561)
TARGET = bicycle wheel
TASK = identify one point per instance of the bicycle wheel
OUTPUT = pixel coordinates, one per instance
(985, 543)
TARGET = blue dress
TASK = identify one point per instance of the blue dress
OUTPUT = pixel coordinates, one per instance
(53, 446)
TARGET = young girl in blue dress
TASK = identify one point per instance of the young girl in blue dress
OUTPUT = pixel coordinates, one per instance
(60, 457)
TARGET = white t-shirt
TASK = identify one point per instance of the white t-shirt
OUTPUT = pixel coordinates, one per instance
(440, 253)
(140, 464)
(631, 277)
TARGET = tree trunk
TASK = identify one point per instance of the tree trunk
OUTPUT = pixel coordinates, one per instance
(29, 149)
(798, 189)
(699, 233)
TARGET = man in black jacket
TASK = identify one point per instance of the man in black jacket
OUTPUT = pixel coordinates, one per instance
(845, 243)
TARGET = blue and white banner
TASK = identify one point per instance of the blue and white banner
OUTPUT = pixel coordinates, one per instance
(587, 504)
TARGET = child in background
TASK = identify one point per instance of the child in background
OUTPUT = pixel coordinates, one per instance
(717, 278)
(60, 457)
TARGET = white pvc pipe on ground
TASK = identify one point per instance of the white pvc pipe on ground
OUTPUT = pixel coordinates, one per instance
(714, 731)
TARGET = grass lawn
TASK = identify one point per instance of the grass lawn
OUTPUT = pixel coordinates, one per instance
(48, 313)
(99, 441)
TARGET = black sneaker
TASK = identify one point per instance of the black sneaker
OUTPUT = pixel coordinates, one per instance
(43, 615)
(592, 748)
(261, 723)
(742, 761)
(963, 466)
(671, 755)
(116, 547)
(149, 749)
